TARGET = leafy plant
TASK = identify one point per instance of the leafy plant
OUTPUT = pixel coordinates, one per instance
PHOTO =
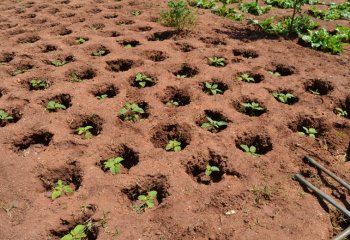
(311, 132)
(178, 16)
(4, 116)
(342, 33)
(102, 96)
(254, 8)
(335, 12)
(339, 111)
(147, 201)
(59, 189)
(284, 97)
(212, 125)
(131, 112)
(78, 233)
(172, 103)
(84, 131)
(210, 169)
(99, 53)
(252, 108)
(206, 4)
(229, 13)
(114, 164)
(59, 63)
(212, 88)
(245, 77)
(217, 61)
(127, 46)
(53, 106)
(250, 150)
(142, 80)
(173, 145)
(38, 84)
(80, 40)
(281, 3)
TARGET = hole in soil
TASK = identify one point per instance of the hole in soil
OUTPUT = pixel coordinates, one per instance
(139, 80)
(38, 84)
(283, 96)
(64, 32)
(30, 15)
(214, 87)
(39, 138)
(3, 91)
(250, 77)
(318, 87)
(108, 91)
(49, 48)
(7, 57)
(283, 70)
(120, 65)
(186, 71)
(150, 183)
(64, 99)
(94, 121)
(97, 26)
(130, 43)
(94, 11)
(161, 36)
(131, 158)
(110, 16)
(81, 75)
(144, 29)
(197, 168)
(125, 22)
(21, 69)
(342, 110)
(250, 107)
(204, 121)
(184, 47)
(12, 116)
(166, 133)
(348, 153)
(245, 53)
(156, 56)
(29, 39)
(100, 51)
(174, 97)
(262, 142)
(213, 41)
(308, 122)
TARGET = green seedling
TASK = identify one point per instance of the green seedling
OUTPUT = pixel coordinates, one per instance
(250, 150)
(245, 77)
(254, 8)
(4, 116)
(99, 53)
(277, 74)
(131, 112)
(172, 103)
(78, 233)
(339, 111)
(212, 125)
(80, 40)
(217, 61)
(210, 169)
(212, 88)
(173, 145)
(19, 71)
(113, 164)
(147, 201)
(127, 46)
(142, 80)
(283, 97)
(136, 13)
(311, 132)
(53, 106)
(74, 77)
(59, 189)
(181, 75)
(59, 63)
(84, 131)
(179, 16)
(38, 84)
(102, 96)
(253, 108)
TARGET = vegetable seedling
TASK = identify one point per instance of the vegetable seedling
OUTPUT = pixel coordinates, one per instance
(131, 112)
(74, 77)
(53, 106)
(212, 125)
(253, 107)
(147, 201)
(181, 76)
(212, 88)
(245, 77)
(102, 96)
(80, 40)
(98, 53)
(59, 63)
(277, 74)
(113, 164)
(250, 150)
(173, 145)
(59, 189)
(84, 131)
(311, 132)
(341, 112)
(217, 61)
(38, 84)
(142, 80)
(127, 46)
(283, 97)
(210, 169)
(4, 116)
(172, 103)
(78, 233)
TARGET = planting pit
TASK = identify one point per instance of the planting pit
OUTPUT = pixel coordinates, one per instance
(175, 97)
(251, 110)
(81, 75)
(93, 120)
(156, 56)
(14, 113)
(246, 53)
(318, 87)
(37, 138)
(283, 70)
(186, 71)
(162, 134)
(262, 142)
(64, 99)
(213, 115)
(308, 122)
(184, 47)
(129, 43)
(161, 36)
(110, 91)
(120, 65)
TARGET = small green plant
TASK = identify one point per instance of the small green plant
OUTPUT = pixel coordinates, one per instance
(53, 106)
(229, 13)
(113, 164)
(245, 77)
(4, 116)
(172, 103)
(210, 169)
(78, 233)
(339, 111)
(206, 4)
(212, 88)
(136, 13)
(280, 3)
(146, 201)
(178, 16)
(38, 84)
(250, 150)
(81, 40)
(74, 77)
(311, 132)
(131, 112)
(217, 61)
(84, 131)
(252, 108)
(102, 96)
(275, 73)
(173, 145)
(59, 63)
(127, 46)
(59, 189)
(181, 75)
(254, 8)
(212, 125)
(284, 97)
(99, 53)
(143, 80)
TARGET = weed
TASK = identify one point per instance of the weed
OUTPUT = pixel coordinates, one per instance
(212, 125)
(250, 150)
(147, 201)
(179, 16)
(254, 8)
(59, 63)
(253, 108)
(217, 61)
(284, 97)
(114, 164)
(53, 106)
(173, 145)
(265, 193)
(339, 111)
(212, 88)
(59, 189)
(210, 169)
(38, 84)
(81, 40)
(5, 117)
(84, 131)
(143, 80)
(131, 112)
(78, 233)
(245, 77)
(311, 132)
